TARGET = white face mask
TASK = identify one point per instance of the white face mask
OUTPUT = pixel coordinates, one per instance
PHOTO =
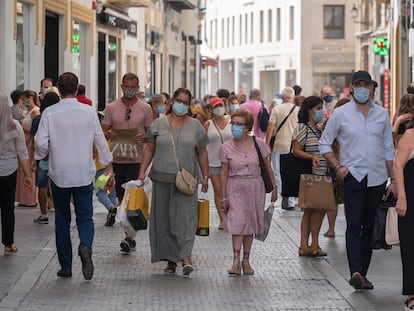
(219, 111)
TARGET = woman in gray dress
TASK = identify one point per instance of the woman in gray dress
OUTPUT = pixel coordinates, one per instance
(174, 215)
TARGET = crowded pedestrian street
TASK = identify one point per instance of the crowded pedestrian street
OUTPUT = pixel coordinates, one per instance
(282, 279)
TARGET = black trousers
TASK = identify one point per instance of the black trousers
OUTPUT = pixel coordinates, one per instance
(7, 193)
(123, 174)
(406, 232)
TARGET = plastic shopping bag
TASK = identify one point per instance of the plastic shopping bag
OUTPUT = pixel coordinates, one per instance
(268, 214)
(122, 214)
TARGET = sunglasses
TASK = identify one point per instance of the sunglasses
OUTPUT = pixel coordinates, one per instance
(128, 114)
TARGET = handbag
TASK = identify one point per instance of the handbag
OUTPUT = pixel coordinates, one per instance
(203, 226)
(291, 167)
(380, 223)
(391, 227)
(273, 138)
(185, 182)
(268, 214)
(263, 168)
(316, 193)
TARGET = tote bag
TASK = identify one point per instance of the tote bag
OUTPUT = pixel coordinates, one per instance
(316, 193)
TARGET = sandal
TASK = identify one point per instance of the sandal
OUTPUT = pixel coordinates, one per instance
(305, 252)
(409, 303)
(247, 270)
(235, 268)
(171, 266)
(317, 252)
(328, 234)
(187, 267)
(10, 249)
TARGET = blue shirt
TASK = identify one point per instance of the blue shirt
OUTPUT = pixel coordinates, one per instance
(365, 142)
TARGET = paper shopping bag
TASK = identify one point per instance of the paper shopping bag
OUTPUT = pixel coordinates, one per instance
(391, 227)
(137, 208)
(203, 227)
(316, 193)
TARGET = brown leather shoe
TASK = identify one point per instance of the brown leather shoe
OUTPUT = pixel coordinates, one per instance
(366, 284)
(356, 280)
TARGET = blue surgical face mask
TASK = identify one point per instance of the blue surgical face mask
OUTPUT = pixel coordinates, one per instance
(234, 107)
(237, 130)
(318, 117)
(328, 98)
(160, 109)
(180, 109)
(361, 95)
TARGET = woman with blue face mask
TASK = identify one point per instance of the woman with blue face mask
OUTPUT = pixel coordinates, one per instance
(174, 215)
(218, 132)
(305, 145)
(243, 188)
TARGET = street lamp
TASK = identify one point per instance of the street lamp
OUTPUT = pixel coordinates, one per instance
(354, 15)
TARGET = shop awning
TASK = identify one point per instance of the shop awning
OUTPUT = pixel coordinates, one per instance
(208, 57)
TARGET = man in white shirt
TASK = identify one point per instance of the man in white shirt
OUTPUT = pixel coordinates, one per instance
(67, 132)
(283, 138)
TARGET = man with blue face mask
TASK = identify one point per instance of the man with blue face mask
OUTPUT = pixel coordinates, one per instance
(364, 133)
(328, 96)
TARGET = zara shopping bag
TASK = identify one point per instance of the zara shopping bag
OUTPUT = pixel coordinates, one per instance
(316, 193)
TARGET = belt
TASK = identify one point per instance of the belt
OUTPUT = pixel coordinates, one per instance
(245, 176)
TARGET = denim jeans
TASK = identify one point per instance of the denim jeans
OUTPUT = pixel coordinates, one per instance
(82, 199)
(107, 200)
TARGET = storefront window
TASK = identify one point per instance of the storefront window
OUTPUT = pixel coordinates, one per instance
(112, 51)
(76, 48)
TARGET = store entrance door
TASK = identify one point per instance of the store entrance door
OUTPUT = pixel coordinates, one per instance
(51, 60)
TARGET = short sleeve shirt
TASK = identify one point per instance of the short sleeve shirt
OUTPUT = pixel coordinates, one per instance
(140, 118)
(309, 138)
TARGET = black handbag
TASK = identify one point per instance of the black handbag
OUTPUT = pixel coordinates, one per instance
(291, 168)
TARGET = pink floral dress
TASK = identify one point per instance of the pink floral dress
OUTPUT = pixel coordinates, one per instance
(245, 188)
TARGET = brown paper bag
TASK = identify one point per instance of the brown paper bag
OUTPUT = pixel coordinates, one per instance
(316, 193)
(123, 145)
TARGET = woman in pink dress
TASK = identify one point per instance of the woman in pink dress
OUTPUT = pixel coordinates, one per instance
(28, 197)
(243, 188)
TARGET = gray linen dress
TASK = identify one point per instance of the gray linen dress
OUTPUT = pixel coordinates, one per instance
(174, 216)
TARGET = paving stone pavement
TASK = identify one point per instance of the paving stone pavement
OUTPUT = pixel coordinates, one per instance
(282, 280)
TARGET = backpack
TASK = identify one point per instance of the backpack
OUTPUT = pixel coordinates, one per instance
(263, 118)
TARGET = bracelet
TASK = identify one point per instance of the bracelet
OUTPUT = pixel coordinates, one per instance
(205, 177)
(338, 167)
(392, 179)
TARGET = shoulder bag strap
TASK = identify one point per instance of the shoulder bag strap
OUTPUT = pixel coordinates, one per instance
(218, 130)
(173, 144)
(284, 120)
(259, 154)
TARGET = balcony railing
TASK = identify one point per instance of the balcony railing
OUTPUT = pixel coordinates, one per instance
(131, 3)
(183, 4)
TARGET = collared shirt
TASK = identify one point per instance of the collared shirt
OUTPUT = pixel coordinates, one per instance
(365, 142)
(67, 132)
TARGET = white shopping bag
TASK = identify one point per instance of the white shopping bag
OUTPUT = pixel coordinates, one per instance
(121, 215)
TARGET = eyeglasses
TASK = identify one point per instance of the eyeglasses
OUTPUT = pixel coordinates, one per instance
(237, 123)
(128, 114)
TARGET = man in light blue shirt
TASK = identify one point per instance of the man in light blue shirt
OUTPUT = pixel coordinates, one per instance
(364, 133)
